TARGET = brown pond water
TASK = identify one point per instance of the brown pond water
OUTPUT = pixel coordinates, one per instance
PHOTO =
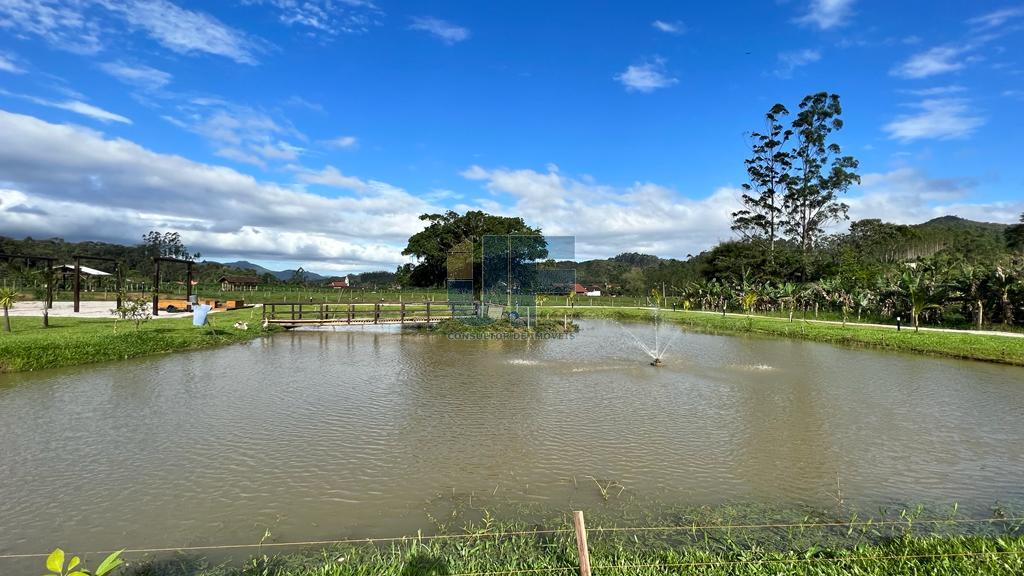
(320, 435)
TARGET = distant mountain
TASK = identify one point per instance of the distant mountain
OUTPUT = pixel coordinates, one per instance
(956, 223)
(280, 275)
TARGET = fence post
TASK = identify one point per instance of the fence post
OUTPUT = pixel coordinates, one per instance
(581, 542)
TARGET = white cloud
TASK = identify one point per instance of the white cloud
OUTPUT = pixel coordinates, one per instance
(936, 90)
(87, 110)
(676, 27)
(938, 118)
(81, 25)
(448, 33)
(8, 63)
(937, 60)
(64, 24)
(330, 176)
(76, 106)
(239, 133)
(788, 62)
(826, 14)
(138, 75)
(325, 17)
(185, 31)
(646, 77)
(643, 217)
(343, 142)
(905, 196)
(996, 18)
(68, 181)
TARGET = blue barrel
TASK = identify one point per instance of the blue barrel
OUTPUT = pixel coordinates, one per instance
(199, 314)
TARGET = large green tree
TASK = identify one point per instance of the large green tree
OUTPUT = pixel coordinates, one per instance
(820, 172)
(444, 232)
(167, 245)
(768, 170)
(1015, 236)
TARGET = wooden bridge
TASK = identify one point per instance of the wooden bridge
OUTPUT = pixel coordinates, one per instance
(295, 314)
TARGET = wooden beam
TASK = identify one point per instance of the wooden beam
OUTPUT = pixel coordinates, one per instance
(78, 282)
(156, 286)
(118, 283)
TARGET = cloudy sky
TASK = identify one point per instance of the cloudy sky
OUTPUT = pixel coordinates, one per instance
(314, 132)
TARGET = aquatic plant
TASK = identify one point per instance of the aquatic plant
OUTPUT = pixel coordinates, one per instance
(74, 567)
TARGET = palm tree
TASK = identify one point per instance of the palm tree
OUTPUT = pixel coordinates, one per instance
(8, 297)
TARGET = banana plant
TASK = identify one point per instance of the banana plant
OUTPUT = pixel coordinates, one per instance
(920, 294)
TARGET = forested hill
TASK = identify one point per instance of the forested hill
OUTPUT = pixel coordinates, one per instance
(138, 259)
(869, 244)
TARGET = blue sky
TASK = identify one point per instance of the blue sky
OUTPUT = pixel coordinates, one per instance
(314, 132)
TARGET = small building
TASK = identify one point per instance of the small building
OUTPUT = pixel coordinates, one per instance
(579, 289)
(239, 282)
(593, 291)
(339, 283)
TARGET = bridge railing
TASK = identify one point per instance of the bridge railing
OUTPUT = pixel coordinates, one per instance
(366, 312)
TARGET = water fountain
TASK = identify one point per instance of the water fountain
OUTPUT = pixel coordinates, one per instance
(658, 351)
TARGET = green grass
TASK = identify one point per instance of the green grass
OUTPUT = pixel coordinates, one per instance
(621, 556)
(504, 326)
(74, 341)
(1001, 349)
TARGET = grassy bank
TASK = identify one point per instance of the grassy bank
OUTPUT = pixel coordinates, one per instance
(556, 554)
(73, 341)
(1002, 349)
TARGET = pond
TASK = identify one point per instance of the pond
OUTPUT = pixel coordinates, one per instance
(320, 435)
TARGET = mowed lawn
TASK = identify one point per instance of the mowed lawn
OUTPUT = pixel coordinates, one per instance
(73, 341)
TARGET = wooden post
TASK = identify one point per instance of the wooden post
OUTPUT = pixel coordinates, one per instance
(49, 284)
(78, 281)
(376, 312)
(428, 311)
(581, 542)
(351, 312)
(156, 287)
(188, 284)
(118, 284)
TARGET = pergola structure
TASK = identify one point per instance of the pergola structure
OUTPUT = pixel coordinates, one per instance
(156, 280)
(78, 276)
(49, 271)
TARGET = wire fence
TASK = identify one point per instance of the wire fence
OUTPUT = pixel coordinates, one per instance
(1012, 524)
